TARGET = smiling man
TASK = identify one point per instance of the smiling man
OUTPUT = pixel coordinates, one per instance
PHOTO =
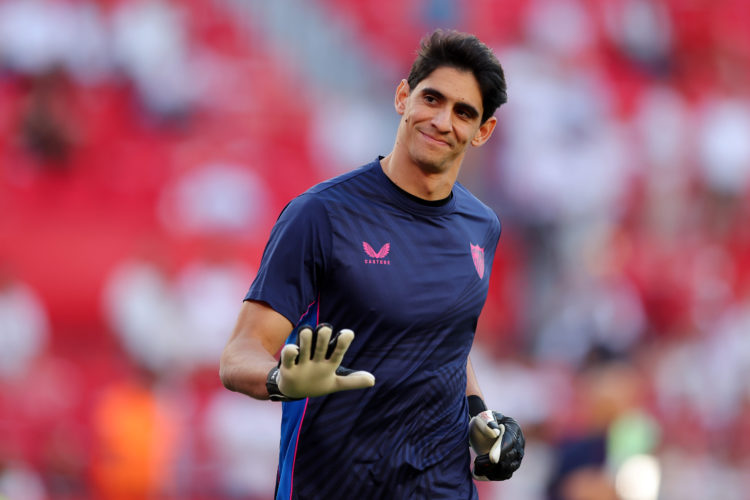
(397, 254)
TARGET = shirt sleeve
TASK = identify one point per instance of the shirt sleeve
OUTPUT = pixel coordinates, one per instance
(295, 258)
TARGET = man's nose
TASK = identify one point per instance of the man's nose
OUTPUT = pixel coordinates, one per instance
(442, 120)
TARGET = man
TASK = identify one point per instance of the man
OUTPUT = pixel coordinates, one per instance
(399, 254)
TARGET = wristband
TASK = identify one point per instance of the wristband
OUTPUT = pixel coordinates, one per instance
(476, 405)
(272, 386)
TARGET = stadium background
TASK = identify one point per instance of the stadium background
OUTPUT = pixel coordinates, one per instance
(146, 147)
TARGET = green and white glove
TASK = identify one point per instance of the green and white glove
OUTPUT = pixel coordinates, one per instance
(497, 440)
(312, 367)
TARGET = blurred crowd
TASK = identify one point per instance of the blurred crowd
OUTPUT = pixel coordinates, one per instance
(147, 146)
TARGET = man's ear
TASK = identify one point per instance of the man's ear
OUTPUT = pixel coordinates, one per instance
(402, 92)
(484, 132)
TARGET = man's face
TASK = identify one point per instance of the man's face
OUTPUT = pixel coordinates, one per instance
(440, 117)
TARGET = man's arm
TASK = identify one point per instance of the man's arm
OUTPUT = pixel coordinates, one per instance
(472, 385)
(249, 354)
(309, 368)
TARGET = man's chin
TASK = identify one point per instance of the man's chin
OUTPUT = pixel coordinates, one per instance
(432, 165)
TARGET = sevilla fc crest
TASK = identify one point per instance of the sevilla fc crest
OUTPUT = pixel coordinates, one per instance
(477, 255)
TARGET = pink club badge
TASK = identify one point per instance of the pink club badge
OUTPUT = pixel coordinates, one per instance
(477, 255)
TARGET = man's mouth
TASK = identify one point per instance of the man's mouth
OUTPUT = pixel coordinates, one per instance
(433, 140)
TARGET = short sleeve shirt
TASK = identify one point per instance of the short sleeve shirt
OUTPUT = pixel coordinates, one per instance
(410, 279)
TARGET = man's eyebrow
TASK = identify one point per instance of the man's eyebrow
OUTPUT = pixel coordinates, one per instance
(432, 92)
(466, 108)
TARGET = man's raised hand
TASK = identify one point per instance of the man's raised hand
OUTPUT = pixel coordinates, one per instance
(312, 367)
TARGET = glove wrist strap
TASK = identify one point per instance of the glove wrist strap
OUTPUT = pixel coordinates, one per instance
(476, 405)
(272, 386)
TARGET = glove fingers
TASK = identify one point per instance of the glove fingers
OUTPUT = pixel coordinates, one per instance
(345, 338)
(497, 447)
(323, 332)
(485, 470)
(305, 337)
(289, 355)
(513, 441)
(357, 380)
(486, 431)
(332, 344)
(508, 445)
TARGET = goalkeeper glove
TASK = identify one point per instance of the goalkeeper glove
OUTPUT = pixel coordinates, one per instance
(312, 367)
(497, 440)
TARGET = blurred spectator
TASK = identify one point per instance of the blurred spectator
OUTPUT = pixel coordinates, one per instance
(151, 46)
(19, 482)
(662, 126)
(594, 306)
(244, 440)
(642, 31)
(723, 147)
(364, 124)
(575, 159)
(145, 40)
(37, 36)
(170, 318)
(48, 127)
(709, 373)
(561, 28)
(141, 307)
(206, 291)
(611, 414)
(137, 431)
(24, 325)
(215, 199)
(40, 436)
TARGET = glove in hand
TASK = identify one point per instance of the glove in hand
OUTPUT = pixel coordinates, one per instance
(313, 368)
(499, 444)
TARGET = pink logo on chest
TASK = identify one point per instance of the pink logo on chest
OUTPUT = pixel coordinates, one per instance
(378, 257)
(477, 255)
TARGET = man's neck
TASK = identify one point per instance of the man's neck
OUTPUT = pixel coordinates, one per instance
(415, 180)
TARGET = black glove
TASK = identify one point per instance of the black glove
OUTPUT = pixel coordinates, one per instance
(497, 440)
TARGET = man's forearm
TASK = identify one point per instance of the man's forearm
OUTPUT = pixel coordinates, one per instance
(244, 367)
(472, 385)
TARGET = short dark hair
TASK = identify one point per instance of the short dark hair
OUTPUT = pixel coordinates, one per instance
(464, 52)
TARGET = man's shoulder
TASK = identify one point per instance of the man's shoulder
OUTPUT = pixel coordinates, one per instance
(352, 179)
(319, 201)
(467, 202)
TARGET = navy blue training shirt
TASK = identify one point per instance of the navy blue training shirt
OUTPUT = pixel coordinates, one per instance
(410, 279)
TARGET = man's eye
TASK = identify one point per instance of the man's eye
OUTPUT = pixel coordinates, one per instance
(430, 99)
